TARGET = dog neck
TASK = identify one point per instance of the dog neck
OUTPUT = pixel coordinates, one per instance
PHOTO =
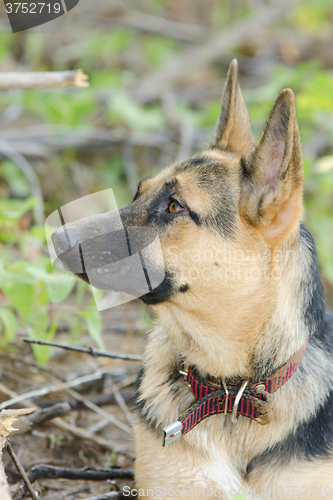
(252, 344)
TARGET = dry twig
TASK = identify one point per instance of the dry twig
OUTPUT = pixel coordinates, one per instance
(53, 388)
(73, 429)
(25, 424)
(43, 80)
(87, 350)
(21, 471)
(49, 472)
(92, 406)
(66, 386)
(106, 496)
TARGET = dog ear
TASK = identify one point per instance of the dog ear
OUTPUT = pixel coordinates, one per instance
(271, 196)
(233, 131)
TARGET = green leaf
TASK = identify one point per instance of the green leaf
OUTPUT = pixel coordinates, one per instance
(158, 49)
(9, 325)
(17, 181)
(58, 285)
(17, 286)
(40, 331)
(41, 353)
(15, 209)
(94, 326)
(125, 110)
(39, 319)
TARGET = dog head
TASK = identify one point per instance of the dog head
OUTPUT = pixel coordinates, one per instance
(220, 217)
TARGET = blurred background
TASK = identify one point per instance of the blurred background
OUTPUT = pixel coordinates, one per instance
(156, 70)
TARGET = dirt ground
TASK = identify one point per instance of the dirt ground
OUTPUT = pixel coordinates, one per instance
(50, 445)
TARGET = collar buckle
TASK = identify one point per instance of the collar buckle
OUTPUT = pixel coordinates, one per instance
(172, 432)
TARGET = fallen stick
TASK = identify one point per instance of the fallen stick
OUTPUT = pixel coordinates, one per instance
(43, 80)
(82, 433)
(49, 472)
(87, 350)
(53, 388)
(26, 424)
(122, 403)
(106, 496)
(92, 406)
(78, 431)
(66, 386)
(63, 408)
(21, 471)
(7, 418)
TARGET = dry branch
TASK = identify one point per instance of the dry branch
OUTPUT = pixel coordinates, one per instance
(156, 83)
(53, 388)
(82, 433)
(106, 496)
(43, 80)
(6, 420)
(72, 429)
(21, 471)
(87, 350)
(66, 386)
(64, 408)
(49, 472)
(89, 404)
(122, 403)
(25, 424)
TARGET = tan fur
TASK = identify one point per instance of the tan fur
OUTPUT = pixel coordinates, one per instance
(233, 128)
(311, 480)
(280, 197)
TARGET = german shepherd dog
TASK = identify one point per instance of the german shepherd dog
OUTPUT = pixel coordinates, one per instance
(237, 380)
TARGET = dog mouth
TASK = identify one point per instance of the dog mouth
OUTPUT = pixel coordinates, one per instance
(163, 292)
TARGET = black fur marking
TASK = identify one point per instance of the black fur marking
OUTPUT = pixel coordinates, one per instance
(138, 188)
(213, 177)
(310, 440)
(314, 310)
(140, 405)
(190, 164)
(158, 207)
(161, 293)
(195, 217)
(184, 288)
(311, 298)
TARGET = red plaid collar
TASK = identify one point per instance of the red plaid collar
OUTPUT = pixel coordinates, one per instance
(250, 399)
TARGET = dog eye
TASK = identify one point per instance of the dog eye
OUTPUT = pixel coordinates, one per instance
(175, 207)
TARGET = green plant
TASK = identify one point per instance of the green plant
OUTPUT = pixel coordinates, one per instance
(32, 288)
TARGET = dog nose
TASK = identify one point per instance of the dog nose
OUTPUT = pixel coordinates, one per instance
(60, 241)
